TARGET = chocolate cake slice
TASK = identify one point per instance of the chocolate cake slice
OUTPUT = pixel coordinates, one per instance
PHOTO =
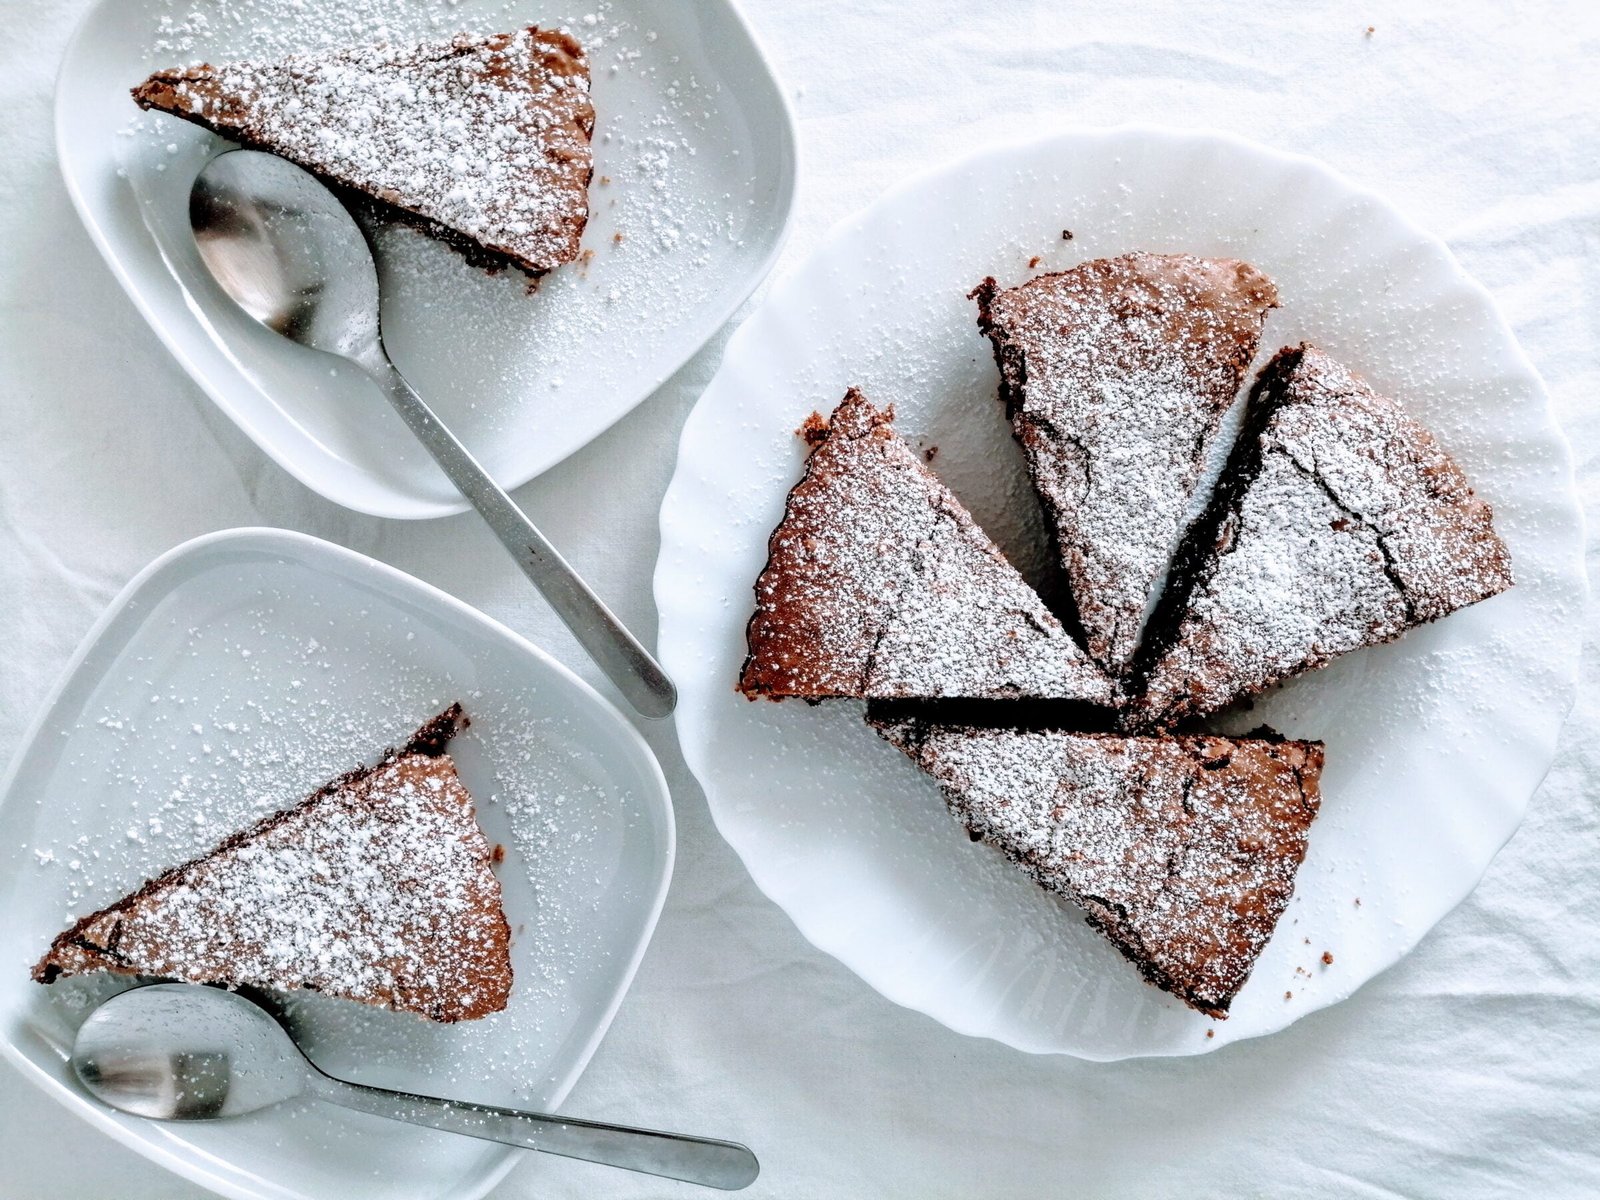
(880, 584)
(1340, 523)
(375, 888)
(480, 140)
(1116, 375)
(1182, 851)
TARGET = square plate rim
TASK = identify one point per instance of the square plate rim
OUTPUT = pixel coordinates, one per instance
(298, 546)
(411, 506)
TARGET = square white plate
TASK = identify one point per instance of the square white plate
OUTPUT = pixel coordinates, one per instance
(694, 186)
(230, 678)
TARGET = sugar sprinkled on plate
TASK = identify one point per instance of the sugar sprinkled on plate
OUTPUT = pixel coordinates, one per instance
(233, 738)
(655, 183)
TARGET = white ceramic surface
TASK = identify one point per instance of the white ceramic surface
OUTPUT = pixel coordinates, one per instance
(1434, 743)
(694, 185)
(231, 677)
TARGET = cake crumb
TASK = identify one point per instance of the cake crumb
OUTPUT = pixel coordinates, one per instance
(1066, 235)
(1327, 958)
(814, 429)
(1288, 995)
(1034, 262)
(1371, 29)
(931, 453)
(1211, 1033)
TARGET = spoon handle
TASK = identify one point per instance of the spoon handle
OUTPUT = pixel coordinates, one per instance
(617, 652)
(706, 1161)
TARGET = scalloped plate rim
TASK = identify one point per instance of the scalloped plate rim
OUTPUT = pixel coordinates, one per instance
(814, 929)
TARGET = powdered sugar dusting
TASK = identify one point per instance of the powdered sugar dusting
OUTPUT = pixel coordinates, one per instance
(486, 135)
(880, 584)
(379, 891)
(1356, 527)
(1182, 851)
(1116, 374)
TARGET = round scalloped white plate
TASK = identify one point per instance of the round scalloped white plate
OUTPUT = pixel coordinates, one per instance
(695, 172)
(1435, 743)
(236, 673)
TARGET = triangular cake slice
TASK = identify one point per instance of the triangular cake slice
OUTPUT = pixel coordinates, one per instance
(880, 584)
(1116, 375)
(376, 888)
(480, 140)
(1340, 523)
(1182, 851)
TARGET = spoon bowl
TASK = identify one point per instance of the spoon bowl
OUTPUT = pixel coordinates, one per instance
(287, 252)
(176, 1052)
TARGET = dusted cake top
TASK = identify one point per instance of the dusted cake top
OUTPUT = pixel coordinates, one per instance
(1341, 523)
(481, 140)
(377, 888)
(1183, 851)
(879, 584)
(1116, 375)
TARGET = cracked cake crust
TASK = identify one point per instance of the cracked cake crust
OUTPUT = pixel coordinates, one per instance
(1182, 851)
(1115, 376)
(1340, 523)
(879, 583)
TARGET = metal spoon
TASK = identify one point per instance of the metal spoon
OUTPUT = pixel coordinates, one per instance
(290, 254)
(179, 1052)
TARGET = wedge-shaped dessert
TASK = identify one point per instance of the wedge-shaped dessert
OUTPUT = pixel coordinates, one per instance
(375, 888)
(482, 140)
(879, 584)
(1115, 376)
(1182, 851)
(1340, 523)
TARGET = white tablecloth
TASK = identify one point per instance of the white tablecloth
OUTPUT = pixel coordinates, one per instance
(1471, 1069)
